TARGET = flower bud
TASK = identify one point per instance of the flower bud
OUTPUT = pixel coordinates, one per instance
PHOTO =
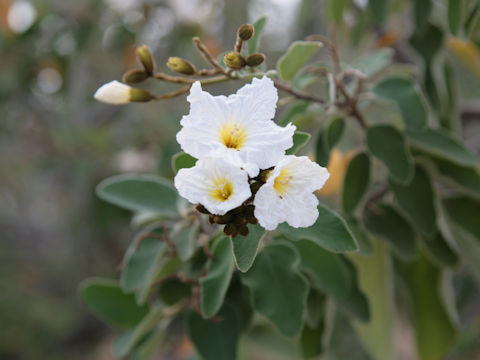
(234, 60)
(134, 76)
(255, 59)
(145, 58)
(245, 32)
(117, 93)
(181, 66)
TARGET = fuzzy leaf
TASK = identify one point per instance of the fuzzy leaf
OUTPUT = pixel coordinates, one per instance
(355, 182)
(417, 201)
(245, 248)
(296, 56)
(333, 132)
(279, 291)
(466, 177)
(439, 249)
(106, 299)
(464, 211)
(214, 285)
(258, 29)
(408, 98)
(329, 231)
(388, 145)
(300, 139)
(182, 160)
(140, 193)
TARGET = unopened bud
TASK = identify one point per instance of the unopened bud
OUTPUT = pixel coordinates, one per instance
(134, 76)
(181, 66)
(255, 59)
(243, 230)
(145, 58)
(245, 32)
(234, 60)
(230, 229)
(117, 93)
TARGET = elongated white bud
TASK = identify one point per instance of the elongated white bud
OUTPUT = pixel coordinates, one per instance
(117, 93)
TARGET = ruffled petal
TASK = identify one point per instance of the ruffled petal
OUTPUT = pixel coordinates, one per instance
(268, 207)
(200, 185)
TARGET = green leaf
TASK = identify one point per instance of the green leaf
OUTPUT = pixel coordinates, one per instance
(356, 303)
(322, 152)
(215, 340)
(258, 29)
(421, 11)
(355, 182)
(360, 234)
(327, 271)
(123, 345)
(185, 236)
(428, 42)
(374, 61)
(464, 211)
(316, 303)
(140, 193)
(311, 340)
(335, 9)
(388, 145)
(408, 98)
(440, 251)
(454, 13)
(334, 132)
(105, 298)
(279, 291)
(329, 231)
(296, 56)
(214, 285)
(417, 201)
(297, 109)
(466, 177)
(379, 10)
(441, 143)
(142, 266)
(434, 330)
(182, 160)
(300, 139)
(376, 280)
(173, 290)
(387, 223)
(245, 248)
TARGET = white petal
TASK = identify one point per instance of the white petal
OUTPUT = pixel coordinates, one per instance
(245, 116)
(114, 93)
(288, 195)
(196, 184)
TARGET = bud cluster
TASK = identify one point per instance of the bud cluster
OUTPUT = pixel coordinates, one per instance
(234, 59)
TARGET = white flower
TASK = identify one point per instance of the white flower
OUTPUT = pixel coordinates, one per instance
(216, 184)
(113, 92)
(237, 128)
(288, 195)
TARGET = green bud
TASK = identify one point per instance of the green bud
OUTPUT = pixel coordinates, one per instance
(181, 66)
(140, 95)
(134, 76)
(145, 58)
(234, 60)
(255, 59)
(245, 32)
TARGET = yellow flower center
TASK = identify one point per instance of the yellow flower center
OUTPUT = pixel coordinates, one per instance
(222, 189)
(232, 135)
(281, 183)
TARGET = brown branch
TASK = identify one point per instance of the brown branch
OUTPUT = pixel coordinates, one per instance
(298, 94)
(332, 49)
(173, 79)
(172, 94)
(208, 56)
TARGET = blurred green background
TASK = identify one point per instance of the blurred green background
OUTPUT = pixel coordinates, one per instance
(57, 143)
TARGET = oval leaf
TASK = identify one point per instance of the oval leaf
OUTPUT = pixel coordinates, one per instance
(417, 201)
(279, 291)
(106, 299)
(333, 132)
(355, 182)
(327, 270)
(300, 139)
(329, 231)
(140, 193)
(387, 223)
(439, 249)
(182, 160)
(214, 285)
(467, 177)
(245, 248)
(464, 211)
(296, 56)
(408, 98)
(258, 29)
(388, 145)
(442, 144)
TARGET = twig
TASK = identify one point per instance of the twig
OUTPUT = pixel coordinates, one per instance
(173, 94)
(208, 56)
(332, 49)
(298, 94)
(173, 79)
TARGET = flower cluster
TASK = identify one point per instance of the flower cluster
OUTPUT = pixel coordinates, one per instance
(242, 174)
